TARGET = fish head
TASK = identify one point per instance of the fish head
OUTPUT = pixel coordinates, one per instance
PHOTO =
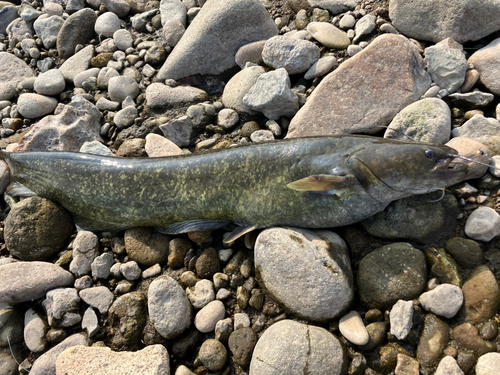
(390, 170)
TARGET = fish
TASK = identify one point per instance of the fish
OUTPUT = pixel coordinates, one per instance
(315, 182)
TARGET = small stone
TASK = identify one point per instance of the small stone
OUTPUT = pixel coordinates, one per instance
(50, 82)
(448, 366)
(78, 28)
(487, 364)
(329, 35)
(90, 323)
(201, 294)
(241, 343)
(151, 271)
(99, 297)
(295, 56)
(85, 250)
(447, 66)
(251, 52)
(364, 27)
(34, 105)
(159, 95)
(62, 307)
(213, 355)
(444, 300)
(122, 86)
(127, 318)
(433, 340)
(467, 336)
(260, 136)
(483, 224)
(146, 246)
(101, 266)
(208, 263)
(130, 270)
(471, 78)
(105, 74)
(83, 76)
(401, 319)
(227, 118)
(352, 328)
(206, 319)
(35, 328)
(321, 67)
(481, 295)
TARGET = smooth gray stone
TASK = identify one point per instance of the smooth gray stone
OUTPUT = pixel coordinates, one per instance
(50, 82)
(173, 10)
(107, 24)
(25, 281)
(62, 306)
(99, 297)
(14, 70)
(444, 300)
(77, 29)
(47, 29)
(334, 6)
(447, 66)
(201, 51)
(34, 105)
(77, 63)
(35, 328)
(7, 15)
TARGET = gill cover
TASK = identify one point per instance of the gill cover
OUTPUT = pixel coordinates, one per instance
(394, 170)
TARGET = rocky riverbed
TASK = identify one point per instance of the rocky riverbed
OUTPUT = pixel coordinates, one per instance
(413, 289)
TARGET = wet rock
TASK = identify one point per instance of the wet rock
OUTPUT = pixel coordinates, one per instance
(290, 347)
(447, 66)
(169, 308)
(483, 224)
(294, 55)
(416, 21)
(36, 229)
(25, 281)
(46, 364)
(146, 246)
(127, 319)
(390, 273)
(468, 337)
(444, 300)
(424, 218)
(85, 250)
(433, 340)
(466, 253)
(213, 355)
(238, 86)
(241, 343)
(77, 123)
(481, 295)
(153, 359)
(381, 94)
(77, 29)
(272, 95)
(300, 268)
(443, 266)
(427, 120)
(236, 22)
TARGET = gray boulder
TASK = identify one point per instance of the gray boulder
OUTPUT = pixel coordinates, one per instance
(47, 28)
(77, 29)
(211, 41)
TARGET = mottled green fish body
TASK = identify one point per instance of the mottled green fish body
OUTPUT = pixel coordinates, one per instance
(316, 182)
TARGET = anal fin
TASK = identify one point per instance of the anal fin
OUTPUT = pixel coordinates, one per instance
(238, 232)
(193, 225)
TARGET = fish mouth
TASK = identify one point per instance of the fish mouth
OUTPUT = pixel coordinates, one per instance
(449, 166)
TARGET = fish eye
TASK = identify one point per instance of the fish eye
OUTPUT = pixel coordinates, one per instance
(429, 154)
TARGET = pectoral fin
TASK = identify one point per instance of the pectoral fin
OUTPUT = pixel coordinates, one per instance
(238, 232)
(320, 183)
(192, 226)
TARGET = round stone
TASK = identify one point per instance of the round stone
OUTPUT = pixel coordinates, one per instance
(488, 364)
(123, 39)
(213, 355)
(122, 86)
(207, 317)
(288, 347)
(107, 24)
(50, 82)
(329, 35)
(34, 105)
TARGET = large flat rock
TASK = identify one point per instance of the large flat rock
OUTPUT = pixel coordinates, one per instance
(364, 93)
(211, 41)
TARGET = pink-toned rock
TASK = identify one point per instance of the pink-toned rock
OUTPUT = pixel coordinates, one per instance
(365, 92)
(77, 123)
(487, 62)
(471, 148)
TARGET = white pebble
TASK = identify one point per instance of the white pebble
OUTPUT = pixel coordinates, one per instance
(352, 328)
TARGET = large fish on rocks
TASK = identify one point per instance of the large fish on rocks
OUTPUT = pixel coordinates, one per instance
(318, 182)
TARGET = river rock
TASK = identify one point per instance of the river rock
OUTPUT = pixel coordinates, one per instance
(241, 343)
(251, 52)
(433, 340)
(236, 22)
(291, 266)
(33, 105)
(173, 10)
(62, 307)
(448, 366)
(401, 317)
(320, 67)
(487, 63)
(146, 246)
(8, 14)
(352, 328)
(127, 319)
(77, 63)
(99, 297)
(36, 229)
(272, 95)
(466, 253)
(334, 6)
(206, 319)
(390, 273)
(485, 130)
(467, 336)
(474, 19)
(488, 363)
(106, 24)
(481, 295)
(329, 35)
(159, 95)
(444, 300)
(295, 55)
(447, 66)
(369, 101)
(157, 146)
(78, 360)
(425, 220)
(35, 328)
(473, 149)
(77, 123)
(289, 347)
(85, 250)
(238, 86)
(169, 308)
(427, 120)
(213, 354)
(119, 7)
(123, 39)
(179, 131)
(46, 364)
(11, 323)
(77, 29)
(483, 224)
(25, 281)
(47, 29)
(50, 82)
